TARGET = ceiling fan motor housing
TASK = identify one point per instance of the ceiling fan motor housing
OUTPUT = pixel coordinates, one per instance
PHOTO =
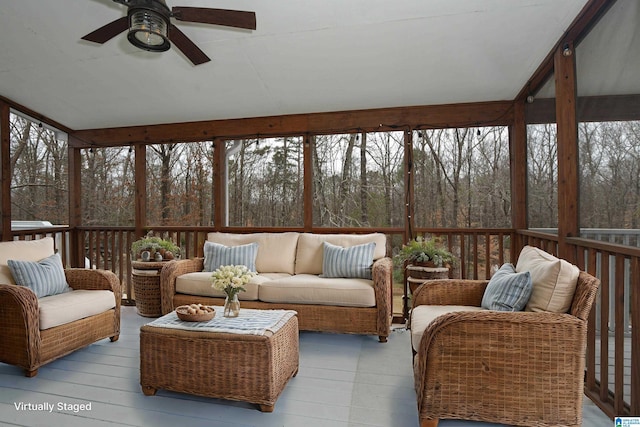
(149, 25)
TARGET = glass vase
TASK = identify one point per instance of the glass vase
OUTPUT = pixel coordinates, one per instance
(231, 306)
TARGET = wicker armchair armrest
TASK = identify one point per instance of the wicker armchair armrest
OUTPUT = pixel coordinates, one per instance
(20, 338)
(85, 278)
(168, 276)
(382, 275)
(450, 292)
(508, 351)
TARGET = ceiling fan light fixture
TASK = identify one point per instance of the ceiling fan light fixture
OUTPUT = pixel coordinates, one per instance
(148, 30)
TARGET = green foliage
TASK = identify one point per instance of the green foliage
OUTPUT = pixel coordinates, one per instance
(153, 244)
(423, 250)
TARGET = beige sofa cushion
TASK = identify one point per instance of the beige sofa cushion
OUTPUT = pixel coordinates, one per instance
(308, 259)
(60, 309)
(423, 315)
(311, 289)
(276, 251)
(199, 283)
(23, 250)
(554, 280)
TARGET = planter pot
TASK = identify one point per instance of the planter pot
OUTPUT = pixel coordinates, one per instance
(417, 274)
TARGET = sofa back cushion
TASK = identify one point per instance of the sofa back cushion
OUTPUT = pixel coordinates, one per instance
(217, 255)
(24, 250)
(309, 256)
(354, 261)
(554, 280)
(276, 251)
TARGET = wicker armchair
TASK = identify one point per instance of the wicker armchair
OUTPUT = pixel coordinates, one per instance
(516, 368)
(23, 344)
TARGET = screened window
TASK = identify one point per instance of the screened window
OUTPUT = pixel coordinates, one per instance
(461, 177)
(265, 182)
(39, 174)
(108, 187)
(357, 180)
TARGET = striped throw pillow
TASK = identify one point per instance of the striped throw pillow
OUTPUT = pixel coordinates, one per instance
(354, 261)
(45, 277)
(507, 290)
(216, 255)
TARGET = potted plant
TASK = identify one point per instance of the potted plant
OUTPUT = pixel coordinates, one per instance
(425, 253)
(424, 259)
(154, 248)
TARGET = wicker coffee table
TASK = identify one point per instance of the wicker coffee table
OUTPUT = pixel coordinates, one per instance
(218, 361)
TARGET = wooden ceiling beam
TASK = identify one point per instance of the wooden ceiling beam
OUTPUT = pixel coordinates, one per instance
(578, 30)
(34, 115)
(384, 119)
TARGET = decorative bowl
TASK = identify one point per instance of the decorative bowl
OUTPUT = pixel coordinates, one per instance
(195, 313)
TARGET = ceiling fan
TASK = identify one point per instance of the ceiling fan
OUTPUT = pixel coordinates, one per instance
(150, 28)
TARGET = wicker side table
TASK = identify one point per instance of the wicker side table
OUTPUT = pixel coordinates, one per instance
(417, 275)
(145, 276)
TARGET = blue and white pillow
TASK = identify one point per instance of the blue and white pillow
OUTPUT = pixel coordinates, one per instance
(45, 277)
(354, 261)
(508, 290)
(216, 255)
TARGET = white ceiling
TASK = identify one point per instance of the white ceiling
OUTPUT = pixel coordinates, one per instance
(305, 56)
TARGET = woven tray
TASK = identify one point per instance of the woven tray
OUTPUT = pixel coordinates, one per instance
(209, 313)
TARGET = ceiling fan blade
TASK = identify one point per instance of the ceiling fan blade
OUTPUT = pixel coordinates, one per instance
(228, 18)
(186, 46)
(108, 31)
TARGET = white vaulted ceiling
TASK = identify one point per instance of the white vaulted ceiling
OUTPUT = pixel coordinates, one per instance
(305, 56)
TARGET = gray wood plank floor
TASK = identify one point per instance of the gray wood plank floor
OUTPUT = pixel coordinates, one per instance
(343, 380)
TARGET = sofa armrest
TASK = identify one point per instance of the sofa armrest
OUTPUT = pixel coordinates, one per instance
(20, 338)
(450, 292)
(382, 275)
(499, 353)
(168, 276)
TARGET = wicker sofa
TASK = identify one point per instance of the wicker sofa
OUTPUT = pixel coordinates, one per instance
(521, 368)
(289, 267)
(37, 330)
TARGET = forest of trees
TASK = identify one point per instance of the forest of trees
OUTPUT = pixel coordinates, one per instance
(461, 179)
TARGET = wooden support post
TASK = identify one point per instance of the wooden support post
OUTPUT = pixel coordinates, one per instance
(5, 164)
(141, 189)
(519, 171)
(307, 150)
(635, 340)
(76, 252)
(409, 206)
(219, 186)
(567, 133)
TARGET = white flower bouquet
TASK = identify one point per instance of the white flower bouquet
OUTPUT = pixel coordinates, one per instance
(231, 279)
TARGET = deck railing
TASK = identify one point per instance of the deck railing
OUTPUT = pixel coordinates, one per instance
(613, 348)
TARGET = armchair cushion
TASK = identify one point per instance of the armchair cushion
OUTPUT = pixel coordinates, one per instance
(423, 315)
(45, 277)
(64, 308)
(554, 280)
(216, 255)
(507, 290)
